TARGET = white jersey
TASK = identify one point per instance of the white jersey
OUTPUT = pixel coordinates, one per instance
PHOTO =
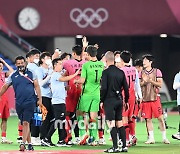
(176, 86)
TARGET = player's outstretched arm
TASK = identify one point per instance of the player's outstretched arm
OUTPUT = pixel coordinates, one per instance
(67, 78)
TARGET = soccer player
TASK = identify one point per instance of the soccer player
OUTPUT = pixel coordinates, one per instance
(113, 80)
(25, 84)
(132, 78)
(176, 86)
(73, 91)
(151, 81)
(4, 105)
(58, 102)
(90, 97)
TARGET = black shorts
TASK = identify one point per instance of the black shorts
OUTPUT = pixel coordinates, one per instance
(25, 112)
(113, 109)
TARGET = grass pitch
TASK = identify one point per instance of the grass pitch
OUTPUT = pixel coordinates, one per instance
(140, 148)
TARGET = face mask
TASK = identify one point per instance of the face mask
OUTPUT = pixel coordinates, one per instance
(36, 61)
(118, 60)
(48, 62)
(21, 68)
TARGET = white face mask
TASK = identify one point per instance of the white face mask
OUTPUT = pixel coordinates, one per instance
(48, 62)
(36, 61)
(118, 60)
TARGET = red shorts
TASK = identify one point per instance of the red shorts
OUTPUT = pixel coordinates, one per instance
(152, 109)
(72, 98)
(4, 108)
(129, 112)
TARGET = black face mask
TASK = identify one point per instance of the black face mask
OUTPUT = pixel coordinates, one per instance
(21, 68)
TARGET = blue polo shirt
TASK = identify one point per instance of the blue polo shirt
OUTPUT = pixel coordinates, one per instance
(32, 67)
(58, 89)
(42, 73)
(23, 87)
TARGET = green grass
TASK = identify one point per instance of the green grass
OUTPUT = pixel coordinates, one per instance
(140, 148)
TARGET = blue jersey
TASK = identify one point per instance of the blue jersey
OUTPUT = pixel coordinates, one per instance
(23, 86)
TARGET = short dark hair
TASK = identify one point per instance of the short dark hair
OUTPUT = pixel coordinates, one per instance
(19, 58)
(64, 55)
(149, 57)
(77, 49)
(138, 62)
(55, 61)
(32, 52)
(43, 55)
(117, 52)
(125, 56)
(91, 50)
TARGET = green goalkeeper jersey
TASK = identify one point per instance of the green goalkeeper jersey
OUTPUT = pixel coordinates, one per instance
(92, 72)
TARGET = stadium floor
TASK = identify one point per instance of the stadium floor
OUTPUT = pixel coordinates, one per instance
(140, 148)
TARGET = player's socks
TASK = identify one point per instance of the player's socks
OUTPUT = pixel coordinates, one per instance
(101, 133)
(122, 135)
(127, 131)
(81, 125)
(68, 128)
(20, 130)
(132, 127)
(113, 133)
(3, 134)
(93, 128)
(163, 135)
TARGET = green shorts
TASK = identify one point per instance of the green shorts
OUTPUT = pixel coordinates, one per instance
(89, 103)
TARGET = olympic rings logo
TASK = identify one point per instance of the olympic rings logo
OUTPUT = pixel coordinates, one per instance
(89, 17)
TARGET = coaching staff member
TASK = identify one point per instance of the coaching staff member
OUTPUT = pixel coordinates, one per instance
(25, 84)
(113, 80)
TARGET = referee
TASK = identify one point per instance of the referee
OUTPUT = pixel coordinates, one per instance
(113, 80)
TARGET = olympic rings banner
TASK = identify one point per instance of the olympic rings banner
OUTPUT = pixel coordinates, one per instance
(95, 17)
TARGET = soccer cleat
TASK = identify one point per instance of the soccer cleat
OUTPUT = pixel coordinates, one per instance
(150, 141)
(124, 149)
(112, 150)
(176, 136)
(30, 147)
(128, 144)
(102, 141)
(90, 140)
(134, 141)
(84, 138)
(62, 144)
(19, 139)
(77, 141)
(70, 143)
(4, 140)
(166, 141)
(48, 143)
(94, 143)
(22, 147)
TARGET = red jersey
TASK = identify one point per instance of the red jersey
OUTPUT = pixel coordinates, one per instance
(130, 73)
